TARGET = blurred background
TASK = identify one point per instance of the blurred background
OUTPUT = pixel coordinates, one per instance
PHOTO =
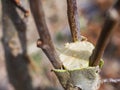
(38, 70)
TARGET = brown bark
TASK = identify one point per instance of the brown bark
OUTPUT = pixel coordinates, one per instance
(45, 41)
(112, 18)
(73, 19)
(19, 5)
(16, 58)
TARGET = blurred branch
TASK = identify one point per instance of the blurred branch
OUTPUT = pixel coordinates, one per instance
(73, 19)
(112, 18)
(18, 4)
(117, 5)
(45, 42)
(15, 47)
(111, 80)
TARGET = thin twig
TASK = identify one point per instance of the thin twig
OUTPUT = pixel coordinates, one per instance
(45, 42)
(18, 4)
(108, 27)
(110, 80)
(73, 19)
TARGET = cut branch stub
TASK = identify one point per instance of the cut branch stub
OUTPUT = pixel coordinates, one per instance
(73, 19)
(75, 58)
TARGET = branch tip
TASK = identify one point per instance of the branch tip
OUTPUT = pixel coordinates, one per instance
(18, 4)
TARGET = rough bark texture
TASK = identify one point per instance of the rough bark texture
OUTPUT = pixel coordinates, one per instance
(73, 20)
(15, 49)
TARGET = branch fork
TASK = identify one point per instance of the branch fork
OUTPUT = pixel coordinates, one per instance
(46, 44)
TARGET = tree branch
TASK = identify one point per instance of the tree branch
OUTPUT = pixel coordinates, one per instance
(15, 47)
(18, 4)
(73, 20)
(45, 42)
(108, 27)
(110, 80)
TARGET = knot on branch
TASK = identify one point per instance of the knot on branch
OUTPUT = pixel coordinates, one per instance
(42, 45)
(39, 43)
